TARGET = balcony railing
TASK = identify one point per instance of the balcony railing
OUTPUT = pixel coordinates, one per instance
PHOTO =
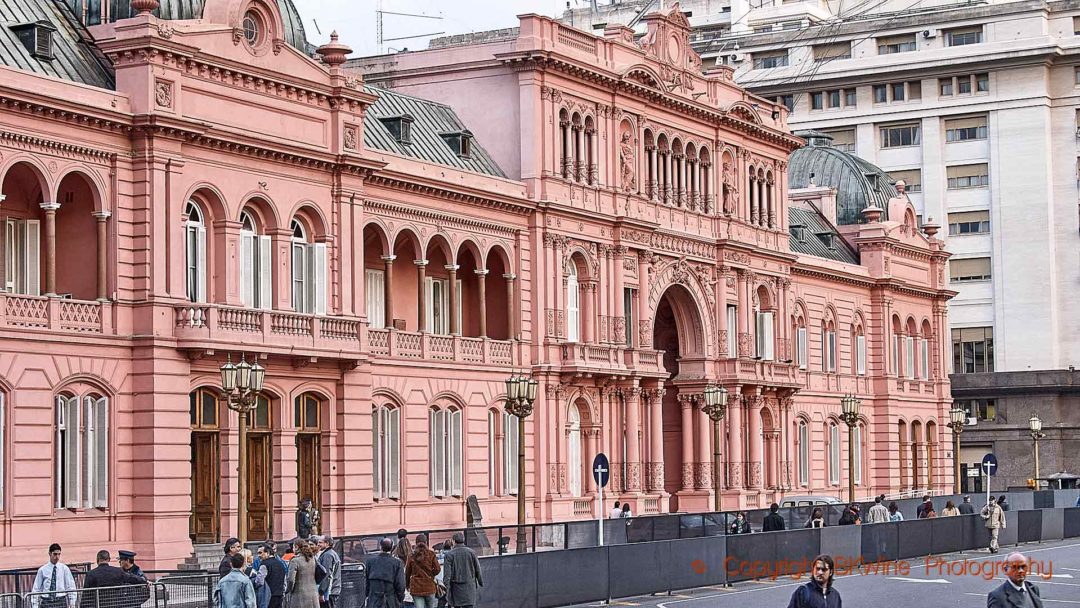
(271, 328)
(41, 312)
(608, 357)
(396, 344)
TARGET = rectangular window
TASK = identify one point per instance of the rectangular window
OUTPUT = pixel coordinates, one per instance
(963, 85)
(965, 129)
(973, 350)
(843, 140)
(629, 297)
(961, 177)
(573, 308)
(788, 101)
(945, 87)
(438, 305)
(924, 359)
(898, 89)
(834, 99)
(803, 347)
(914, 90)
(980, 409)
(834, 454)
(733, 331)
(970, 222)
(912, 178)
(22, 257)
(850, 98)
(1076, 26)
(446, 453)
(494, 456)
(856, 431)
(829, 52)
(909, 357)
(964, 36)
(310, 262)
(804, 454)
(772, 59)
(375, 297)
(765, 336)
(899, 136)
(860, 355)
(982, 83)
(969, 269)
(831, 350)
(896, 44)
(511, 439)
(881, 93)
(817, 101)
(386, 428)
(894, 360)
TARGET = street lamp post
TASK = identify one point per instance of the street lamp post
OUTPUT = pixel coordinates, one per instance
(1035, 426)
(849, 413)
(520, 395)
(957, 417)
(715, 408)
(240, 385)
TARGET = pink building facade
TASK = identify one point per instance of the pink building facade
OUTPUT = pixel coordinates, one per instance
(595, 211)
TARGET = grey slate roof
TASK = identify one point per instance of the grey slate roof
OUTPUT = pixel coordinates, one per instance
(74, 55)
(857, 182)
(188, 9)
(813, 224)
(430, 119)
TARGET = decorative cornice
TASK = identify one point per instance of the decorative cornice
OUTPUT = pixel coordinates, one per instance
(456, 220)
(409, 184)
(56, 113)
(20, 140)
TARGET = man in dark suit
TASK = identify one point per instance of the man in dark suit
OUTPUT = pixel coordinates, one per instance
(111, 576)
(1015, 592)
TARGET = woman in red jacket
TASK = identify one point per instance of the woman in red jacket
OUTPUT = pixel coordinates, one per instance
(420, 571)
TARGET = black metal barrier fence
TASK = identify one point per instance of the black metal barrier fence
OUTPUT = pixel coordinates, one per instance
(558, 578)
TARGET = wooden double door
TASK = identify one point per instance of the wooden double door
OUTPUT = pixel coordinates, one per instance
(205, 525)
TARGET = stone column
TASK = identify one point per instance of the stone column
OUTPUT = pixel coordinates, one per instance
(654, 166)
(755, 440)
(741, 342)
(644, 318)
(687, 408)
(735, 440)
(751, 195)
(579, 153)
(50, 209)
(454, 308)
(722, 274)
(633, 434)
(568, 147)
(421, 294)
(388, 281)
(772, 203)
(102, 254)
(667, 178)
(656, 440)
(618, 332)
(703, 473)
(511, 321)
(592, 445)
(481, 284)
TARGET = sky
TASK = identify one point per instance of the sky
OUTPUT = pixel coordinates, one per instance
(355, 20)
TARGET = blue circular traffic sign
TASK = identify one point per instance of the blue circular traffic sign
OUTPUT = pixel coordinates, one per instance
(989, 464)
(601, 470)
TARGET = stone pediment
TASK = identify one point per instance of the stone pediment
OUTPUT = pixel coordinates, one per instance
(667, 39)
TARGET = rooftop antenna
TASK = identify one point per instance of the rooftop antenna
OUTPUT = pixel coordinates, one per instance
(316, 24)
(382, 39)
(641, 13)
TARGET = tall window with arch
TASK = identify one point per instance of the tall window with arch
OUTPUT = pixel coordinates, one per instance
(256, 271)
(260, 452)
(510, 446)
(195, 252)
(924, 352)
(310, 262)
(82, 451)
(804, 453)
(857, 431)
(764, 329)
(307, 418)
(386, 451)
(860, 351)
(834, 453)
(573, 303)
(447, 451)
(573, 444)
(503, 438)
(802, 344)
(828, 348)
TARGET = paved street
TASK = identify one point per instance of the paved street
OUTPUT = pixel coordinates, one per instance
(936, 583)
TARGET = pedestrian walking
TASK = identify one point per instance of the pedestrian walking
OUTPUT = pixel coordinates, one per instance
(276, 574)
(330, 587)
(55, 578)
(463, 578)
(1003, 502)
(894, 512)
(950, 509)
(625, 513)
(616, 511)
(440, 584)
(304, 523)
(385, 577)
(818, 592)
(994, 517)
(966, 508)
(232, 547)
(1016, 592)
(106, 575)
(301, 588)
(929, 512)
(420, 571)
(235, 589)
(878, 514)
(850, 517)
(740, 525)
(817, 519)
(773, 521)
(920, 513)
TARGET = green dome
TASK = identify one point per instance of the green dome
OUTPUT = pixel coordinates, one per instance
(858, 183)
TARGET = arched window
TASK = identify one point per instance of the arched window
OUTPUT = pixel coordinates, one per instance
(386, 450)
(857, 430)
(195, 252)
(256, 271)
(573, 304)
(309, 267)
(924, 352)
(834, 453)
(860, 351)
(446, 452)
(307, 417)
(573, 441)
(828, 348)
(804, 453)
(82, 451)
(802, 344)
(765, 327)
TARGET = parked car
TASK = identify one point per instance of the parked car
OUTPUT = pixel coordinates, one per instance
(809, 501)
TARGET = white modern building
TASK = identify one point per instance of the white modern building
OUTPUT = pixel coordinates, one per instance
(976, 106)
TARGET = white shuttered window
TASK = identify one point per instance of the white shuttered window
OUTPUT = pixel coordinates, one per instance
(924, 359)
(195, 253)
(860, 355)
(802, 347)
(909, 357)
(511, 441)
(256, 286)
(22, 257)
(765, 337)
(573, 305)
(733, 331)
(82, 452)
(375, 297)
(386, 431)
(834, 454)
(447, 452)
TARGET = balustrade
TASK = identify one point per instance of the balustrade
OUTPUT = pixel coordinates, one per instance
(42, 312)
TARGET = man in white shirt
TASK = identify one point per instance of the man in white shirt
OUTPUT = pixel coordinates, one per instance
(53, 579)
(616, 511)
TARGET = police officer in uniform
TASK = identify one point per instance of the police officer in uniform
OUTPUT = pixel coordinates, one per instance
(127, 562)
(105, 575)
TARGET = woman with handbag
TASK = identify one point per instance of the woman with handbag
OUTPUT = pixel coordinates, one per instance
(301, 586)
(420, 571)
